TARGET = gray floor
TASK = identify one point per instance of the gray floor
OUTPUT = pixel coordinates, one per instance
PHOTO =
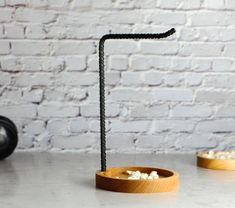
(33, 180)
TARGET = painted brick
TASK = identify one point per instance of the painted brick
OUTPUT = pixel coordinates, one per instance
(76, 79)
(16, 2)
(36, 31)
(173, 80)
(215, 96)
(229, 50)
(112, 78)
(117, 141)
(122, 17)
(139, 62)
(121, 47)
(161, 48)
(71, 48)
(14, 31)
(153, 78)
(208, 19)
(75, 94)
(33, 95)
(222, 65)
(1, 31)
(38, 64)
(19, 111)
(93, 63)
(6, 14)
(128, 95)
(201, 49)
(25, 141)
(81, 141)
(4, 47)
(129, 126)
(169, 94)
(216, 126)
(219, 81)
(27, 79)
(229, 4)
(78, 125)
(76, 63)
(197, 141)
(31, 48)
(58, 127)
(225, 112)
(118, 62)
(150, 142)
(153, 111)
(174, 126)
(35, 16)
(193, 79)
(201, 65)
(35, 127)
(5, 78)
(171, 18)
(57, 110)
(81, 4)
(178, 4)
(2, 2)
(192, 111)
(132, 78)
(215, 4)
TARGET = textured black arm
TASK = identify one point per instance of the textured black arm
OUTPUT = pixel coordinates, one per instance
(102, 80)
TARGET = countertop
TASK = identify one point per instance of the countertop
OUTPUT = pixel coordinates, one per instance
(52, 180)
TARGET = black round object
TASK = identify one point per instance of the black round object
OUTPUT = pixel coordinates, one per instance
(2, 118)
(8, 137)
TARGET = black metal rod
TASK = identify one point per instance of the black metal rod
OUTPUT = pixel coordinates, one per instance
(102, 80)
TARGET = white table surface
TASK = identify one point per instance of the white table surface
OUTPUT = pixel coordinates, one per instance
(50, 180)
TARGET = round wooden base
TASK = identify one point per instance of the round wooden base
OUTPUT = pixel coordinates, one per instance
(116, 179)
(216, 164)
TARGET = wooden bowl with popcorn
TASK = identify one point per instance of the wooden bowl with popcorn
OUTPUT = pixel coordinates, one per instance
(137, 180)
(217, 160)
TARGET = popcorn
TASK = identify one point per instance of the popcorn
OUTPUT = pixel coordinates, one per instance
(153, 173)
(137, 175)
(223, 155)
(144, 176)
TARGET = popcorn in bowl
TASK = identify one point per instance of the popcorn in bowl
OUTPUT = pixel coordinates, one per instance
(224, 155)
(137, 175)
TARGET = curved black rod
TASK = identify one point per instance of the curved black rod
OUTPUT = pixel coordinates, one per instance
(102, 80)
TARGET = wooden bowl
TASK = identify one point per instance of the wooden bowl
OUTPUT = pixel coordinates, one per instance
(108, 180)
(216, 164)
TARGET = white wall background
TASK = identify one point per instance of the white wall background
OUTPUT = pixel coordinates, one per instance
(169, 95)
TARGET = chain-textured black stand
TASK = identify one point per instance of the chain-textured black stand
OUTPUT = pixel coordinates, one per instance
(102, 80)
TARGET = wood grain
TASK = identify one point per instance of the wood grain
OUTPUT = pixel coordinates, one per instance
(216, 164)
(167, 182)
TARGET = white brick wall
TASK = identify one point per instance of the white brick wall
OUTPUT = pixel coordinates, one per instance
(175, 94)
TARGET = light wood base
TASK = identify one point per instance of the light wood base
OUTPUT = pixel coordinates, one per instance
(216, 164)
(167, 182)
